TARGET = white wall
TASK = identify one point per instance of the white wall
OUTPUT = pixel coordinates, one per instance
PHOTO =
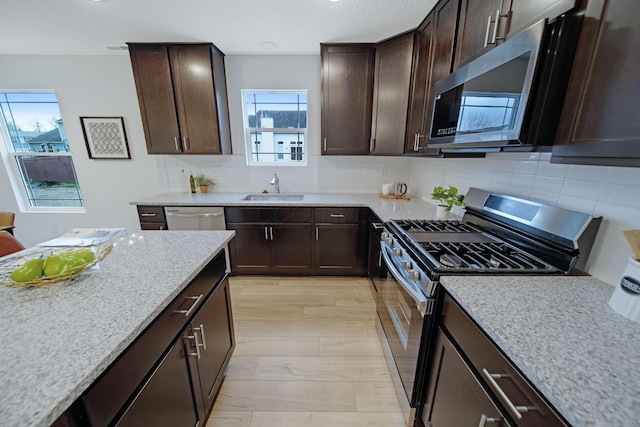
(103, 86)
(86, 86)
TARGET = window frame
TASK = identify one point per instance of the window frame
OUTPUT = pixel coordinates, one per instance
(10, 160)
(248, 143)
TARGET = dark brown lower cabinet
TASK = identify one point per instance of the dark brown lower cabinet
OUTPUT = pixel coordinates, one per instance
(170, 375)
(456, 397)
(271, 248)
(472, 383)
(340, 241)
(166, 400)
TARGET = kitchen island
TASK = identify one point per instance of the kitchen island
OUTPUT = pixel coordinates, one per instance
(58, 339)
(561, 334)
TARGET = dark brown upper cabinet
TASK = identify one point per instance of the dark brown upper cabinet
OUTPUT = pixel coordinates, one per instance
(432, 61)
(347, 97)
(182, 94)
(478, 28)
(523, 13)
(599, 123)
(483, 24)
(392, 81)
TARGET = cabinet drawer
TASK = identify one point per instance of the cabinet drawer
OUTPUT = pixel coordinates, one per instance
(110, 392)
(153, 225)
(336, 215)
(487, 360)
(151, 214)
(268, 214)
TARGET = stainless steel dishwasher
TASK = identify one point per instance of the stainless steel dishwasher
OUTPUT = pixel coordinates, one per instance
(197, 218)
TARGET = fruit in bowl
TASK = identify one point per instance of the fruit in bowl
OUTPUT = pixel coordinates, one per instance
(30, 271)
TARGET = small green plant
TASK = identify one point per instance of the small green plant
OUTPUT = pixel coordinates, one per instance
(202, 180)
(448, 197)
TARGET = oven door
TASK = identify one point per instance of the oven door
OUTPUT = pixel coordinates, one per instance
(401, 311)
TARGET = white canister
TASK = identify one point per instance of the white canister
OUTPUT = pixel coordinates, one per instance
(387, 189)
(626, 297)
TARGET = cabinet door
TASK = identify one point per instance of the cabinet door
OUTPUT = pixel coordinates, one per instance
(214, 326)
(250, 249)
(336, 248)
(599, 123)
(441, 31)
(195, 98)
(347, 93)
(166, 399)
(523, 13)
(476, 27)
(456, 398)
(290, 248)
(154, 86)
(391, 95)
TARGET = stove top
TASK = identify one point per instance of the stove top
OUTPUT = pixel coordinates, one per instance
(454, 246)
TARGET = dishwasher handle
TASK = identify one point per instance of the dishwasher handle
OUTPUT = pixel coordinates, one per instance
(194, 215)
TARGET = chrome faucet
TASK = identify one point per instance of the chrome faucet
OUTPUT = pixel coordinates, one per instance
(275, 181)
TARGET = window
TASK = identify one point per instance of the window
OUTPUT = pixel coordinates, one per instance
(36, 152)
(487, 111)
(274, 120)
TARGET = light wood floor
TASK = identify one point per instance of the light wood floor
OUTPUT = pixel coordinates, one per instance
(307, 355)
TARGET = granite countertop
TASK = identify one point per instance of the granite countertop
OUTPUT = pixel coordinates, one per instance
(386, 209)
(560, 332)
(57, 339)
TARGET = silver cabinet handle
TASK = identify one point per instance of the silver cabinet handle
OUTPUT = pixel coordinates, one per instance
(185, 142)
(495, 27)
(148, 214)
(266, 233)
(317, 233)
(377, 225)
(415, 142)
(204, 341)
(484, 420)
(516, 411)
(337, 215)
(325, 144)
(195, 339)
(271, 232)
(188, 312)
(486, 35)
(175, 140)
(372, 145)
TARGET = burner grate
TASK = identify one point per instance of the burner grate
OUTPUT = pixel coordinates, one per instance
(435, 226)
(495, 257)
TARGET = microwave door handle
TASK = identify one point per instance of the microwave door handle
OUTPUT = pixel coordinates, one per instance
(420, 300)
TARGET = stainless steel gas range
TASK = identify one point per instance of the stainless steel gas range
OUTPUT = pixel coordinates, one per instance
(498, 234)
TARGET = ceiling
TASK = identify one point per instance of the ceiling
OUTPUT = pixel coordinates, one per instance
(237, 27)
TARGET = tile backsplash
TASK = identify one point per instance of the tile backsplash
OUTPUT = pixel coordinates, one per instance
(611, 192)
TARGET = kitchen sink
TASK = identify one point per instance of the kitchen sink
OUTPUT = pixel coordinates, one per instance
(274, 197)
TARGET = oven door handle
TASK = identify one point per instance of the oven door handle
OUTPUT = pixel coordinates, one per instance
(418, 297)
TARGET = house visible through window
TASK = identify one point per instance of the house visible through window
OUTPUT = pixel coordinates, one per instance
(36, 151)
(273, 120)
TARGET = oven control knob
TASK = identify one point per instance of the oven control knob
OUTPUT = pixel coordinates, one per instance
(414, 275)
(397, 252)
(406, 264)
(384, 235)
(389, 240)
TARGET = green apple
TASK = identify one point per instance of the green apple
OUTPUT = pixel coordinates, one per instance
(30, 271)
(86, 254)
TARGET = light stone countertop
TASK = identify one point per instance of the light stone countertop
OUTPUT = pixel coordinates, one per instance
(560, 332)
(57, 339)
(386, 209)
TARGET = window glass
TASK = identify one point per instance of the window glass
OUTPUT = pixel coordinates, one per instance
(275, 120)
(36, 151)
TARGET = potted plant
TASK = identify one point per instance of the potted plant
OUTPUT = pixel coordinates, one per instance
(448, 198)
(204, 183)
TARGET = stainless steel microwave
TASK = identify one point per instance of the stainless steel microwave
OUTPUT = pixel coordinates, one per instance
(510, 97)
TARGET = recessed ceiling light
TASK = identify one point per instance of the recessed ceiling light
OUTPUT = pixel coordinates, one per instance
(268, 45)
(332, 1)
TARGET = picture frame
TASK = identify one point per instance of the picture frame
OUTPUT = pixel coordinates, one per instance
(105, 137)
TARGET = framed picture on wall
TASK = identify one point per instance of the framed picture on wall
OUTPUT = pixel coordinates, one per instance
(105, 137)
